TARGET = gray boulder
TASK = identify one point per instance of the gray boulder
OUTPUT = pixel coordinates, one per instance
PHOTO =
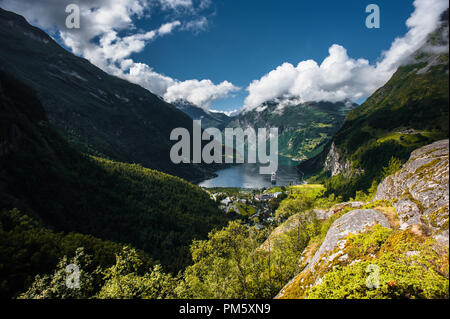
(355, 221)
(420, 190)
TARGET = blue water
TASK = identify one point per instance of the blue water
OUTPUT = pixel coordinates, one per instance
(247, 176)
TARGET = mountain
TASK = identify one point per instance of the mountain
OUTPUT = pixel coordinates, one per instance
(409, 111)
(403, 236)
(209, 119)
(98, 113)
(44, 177)
(304, 128)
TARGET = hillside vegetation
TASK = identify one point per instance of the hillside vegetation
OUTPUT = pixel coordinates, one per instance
(42, 176)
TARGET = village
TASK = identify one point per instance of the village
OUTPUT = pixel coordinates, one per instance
(256, 207)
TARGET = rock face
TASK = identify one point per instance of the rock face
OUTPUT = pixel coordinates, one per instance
(353, 222)
(331, 250)
(297, 220)
(420, 190)
(335, 163)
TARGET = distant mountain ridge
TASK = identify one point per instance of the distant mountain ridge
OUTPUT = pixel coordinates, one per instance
(98, 113)
(209, 119)
(304, 128)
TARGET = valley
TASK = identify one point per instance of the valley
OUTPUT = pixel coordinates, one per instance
(87, 178)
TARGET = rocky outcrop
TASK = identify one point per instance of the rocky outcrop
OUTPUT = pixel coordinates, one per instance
(337, 164)
(353, 222)
(413, 203)
(297, 220)
(331, 250)
(334, 161)
(322, 214)
(420, 189)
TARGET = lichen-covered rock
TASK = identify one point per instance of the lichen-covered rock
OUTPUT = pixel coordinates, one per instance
(420, 189)
(331, 250)
(353, 222)
(325, 214)
(297, 220)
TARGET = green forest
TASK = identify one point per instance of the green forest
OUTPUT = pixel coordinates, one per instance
(51, 184)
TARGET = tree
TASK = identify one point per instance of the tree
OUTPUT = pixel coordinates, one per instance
(60, 286)
(126, 279)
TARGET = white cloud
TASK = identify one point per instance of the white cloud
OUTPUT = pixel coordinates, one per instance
(340, 77)
(197, 25)
(173, 4)
(200, 93)
(144, 75)
(168, 27)
(108, 37)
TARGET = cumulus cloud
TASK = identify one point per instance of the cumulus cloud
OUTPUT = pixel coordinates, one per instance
(340, 77)
(200, 93)
(108, 37)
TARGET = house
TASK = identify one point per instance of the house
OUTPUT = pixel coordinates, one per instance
(277, 194)
(226, 201)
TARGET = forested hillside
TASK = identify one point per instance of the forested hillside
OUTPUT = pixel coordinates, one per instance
(97, 113)
(42, 176)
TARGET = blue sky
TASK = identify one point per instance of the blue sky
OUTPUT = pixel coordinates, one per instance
(247, 39)
(237, 54)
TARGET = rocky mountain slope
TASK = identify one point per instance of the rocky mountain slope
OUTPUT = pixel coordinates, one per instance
(98, 113)
(304, 129)
(402, 235)
(409, 111)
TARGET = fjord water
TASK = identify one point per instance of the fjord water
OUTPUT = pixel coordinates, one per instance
(247, 176)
